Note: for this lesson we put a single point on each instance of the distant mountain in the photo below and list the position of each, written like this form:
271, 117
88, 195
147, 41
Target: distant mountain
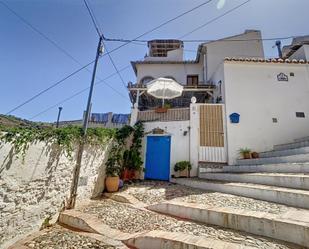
8, 121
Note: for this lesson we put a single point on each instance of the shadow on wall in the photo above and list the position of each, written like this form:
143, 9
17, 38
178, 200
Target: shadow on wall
37, 186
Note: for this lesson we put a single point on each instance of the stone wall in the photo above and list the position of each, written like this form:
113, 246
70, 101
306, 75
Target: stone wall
38, 186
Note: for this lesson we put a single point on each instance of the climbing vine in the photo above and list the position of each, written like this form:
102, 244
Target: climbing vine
120, 158
22, 137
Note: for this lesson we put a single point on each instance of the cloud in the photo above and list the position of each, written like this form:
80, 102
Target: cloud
221, 4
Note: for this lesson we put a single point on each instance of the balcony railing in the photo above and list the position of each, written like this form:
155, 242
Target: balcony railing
175, 114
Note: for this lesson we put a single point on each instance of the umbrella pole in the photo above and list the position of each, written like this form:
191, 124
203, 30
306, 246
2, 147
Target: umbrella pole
162, 102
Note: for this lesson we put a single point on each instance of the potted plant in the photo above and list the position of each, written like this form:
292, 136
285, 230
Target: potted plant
113, 168
245, 153
182, 169
163, 108
255, 154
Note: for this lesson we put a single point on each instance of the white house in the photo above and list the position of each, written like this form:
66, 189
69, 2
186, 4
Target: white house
230, 79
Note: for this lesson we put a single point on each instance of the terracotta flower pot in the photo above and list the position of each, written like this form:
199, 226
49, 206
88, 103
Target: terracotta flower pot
183, 173
112, 183
255, 155
137, 175
126, 175
247, 155
161, 110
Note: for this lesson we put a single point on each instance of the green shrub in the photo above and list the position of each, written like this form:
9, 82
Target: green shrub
182, 165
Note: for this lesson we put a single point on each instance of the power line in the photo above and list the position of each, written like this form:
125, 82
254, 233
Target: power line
76, 94
126, 41
99, 30
115, 49
161, 25
58, 47
216, 18
115, 67
94, 21
142, 42
48, 88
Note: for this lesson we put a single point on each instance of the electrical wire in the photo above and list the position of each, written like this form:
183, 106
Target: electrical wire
48, 88
142, 42
75, 94
59, 48
94, 21
161, 25
99, 30
216, 18
113, 50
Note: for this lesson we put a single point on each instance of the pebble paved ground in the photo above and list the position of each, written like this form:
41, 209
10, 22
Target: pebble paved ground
129, 219
58, 237
151, 192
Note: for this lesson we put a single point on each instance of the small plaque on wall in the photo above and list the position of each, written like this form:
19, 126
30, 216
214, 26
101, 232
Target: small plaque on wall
282, 77
157, 131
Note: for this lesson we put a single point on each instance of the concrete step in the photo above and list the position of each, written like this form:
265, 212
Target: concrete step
271, 168
280, 153
163, 239
296, 181
291, 226
286, 196
144, 240
293, 145
300, 158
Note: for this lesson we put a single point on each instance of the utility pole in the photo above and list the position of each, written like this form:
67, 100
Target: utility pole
58, 118
73, 191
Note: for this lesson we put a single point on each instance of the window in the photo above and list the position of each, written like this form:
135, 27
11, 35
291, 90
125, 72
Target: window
192, 80
300, 114
146, 80
292, 74
275, 120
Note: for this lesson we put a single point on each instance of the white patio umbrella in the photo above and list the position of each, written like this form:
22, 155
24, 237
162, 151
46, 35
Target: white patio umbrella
164, 88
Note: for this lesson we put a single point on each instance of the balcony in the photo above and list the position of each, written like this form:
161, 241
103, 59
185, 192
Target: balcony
174, 114
202, 92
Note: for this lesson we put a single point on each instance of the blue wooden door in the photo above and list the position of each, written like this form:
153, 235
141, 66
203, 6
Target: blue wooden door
158, 158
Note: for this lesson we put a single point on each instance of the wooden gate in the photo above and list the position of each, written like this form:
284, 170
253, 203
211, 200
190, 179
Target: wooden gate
212, 144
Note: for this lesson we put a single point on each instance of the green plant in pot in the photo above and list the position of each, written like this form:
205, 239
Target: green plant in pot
113, 168
182, 169
132, 161
245, 153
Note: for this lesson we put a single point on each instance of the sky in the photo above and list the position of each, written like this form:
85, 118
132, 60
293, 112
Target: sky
30, 64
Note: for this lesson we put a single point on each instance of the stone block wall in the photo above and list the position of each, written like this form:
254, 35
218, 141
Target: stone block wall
38, 186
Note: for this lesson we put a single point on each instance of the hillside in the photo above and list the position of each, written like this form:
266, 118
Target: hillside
10, 121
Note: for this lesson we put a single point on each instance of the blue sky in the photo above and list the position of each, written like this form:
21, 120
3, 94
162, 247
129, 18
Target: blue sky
29, 63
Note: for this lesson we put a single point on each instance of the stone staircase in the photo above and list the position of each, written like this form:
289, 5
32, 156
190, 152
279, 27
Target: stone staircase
280, 175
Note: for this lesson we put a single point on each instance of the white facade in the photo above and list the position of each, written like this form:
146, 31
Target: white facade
253, 90
177, 71
180, 137
246, 45
249, 87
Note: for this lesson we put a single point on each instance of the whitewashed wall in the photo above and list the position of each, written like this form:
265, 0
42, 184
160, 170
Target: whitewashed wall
178, 71
179, 142
253, 91
32, 190
246, 45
